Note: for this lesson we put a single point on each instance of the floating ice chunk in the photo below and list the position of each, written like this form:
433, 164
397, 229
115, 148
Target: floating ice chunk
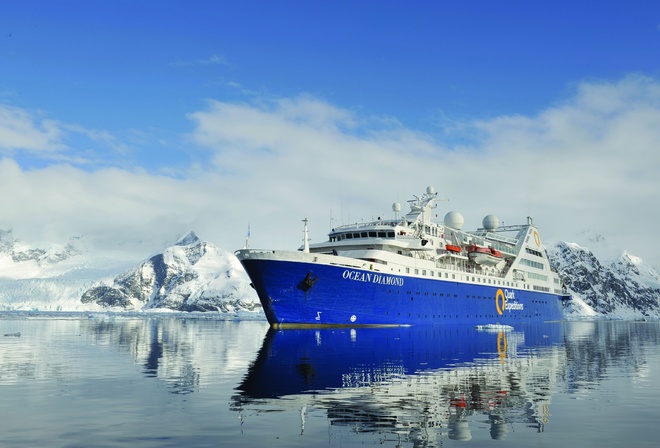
494, 327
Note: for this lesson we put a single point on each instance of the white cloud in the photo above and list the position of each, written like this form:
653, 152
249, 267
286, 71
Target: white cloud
28, 135
587, 163
110, 207
20, 130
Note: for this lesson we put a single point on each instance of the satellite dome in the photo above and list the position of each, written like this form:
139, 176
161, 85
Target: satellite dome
454, 220
396, 207
430, 190
491, 222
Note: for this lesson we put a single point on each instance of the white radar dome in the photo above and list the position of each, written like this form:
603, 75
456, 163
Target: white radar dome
454, 220
430, 190
491, 222
396, 207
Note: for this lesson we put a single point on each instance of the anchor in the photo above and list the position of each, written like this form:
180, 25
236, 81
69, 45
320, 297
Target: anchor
307, 282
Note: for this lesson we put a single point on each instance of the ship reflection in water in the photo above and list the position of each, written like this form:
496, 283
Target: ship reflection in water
418, 383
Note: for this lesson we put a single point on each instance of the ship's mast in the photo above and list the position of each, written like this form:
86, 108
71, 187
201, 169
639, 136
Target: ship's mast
420, 209
247, 238
305, 237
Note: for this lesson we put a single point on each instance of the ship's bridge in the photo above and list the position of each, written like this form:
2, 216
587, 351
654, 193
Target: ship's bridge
375, 229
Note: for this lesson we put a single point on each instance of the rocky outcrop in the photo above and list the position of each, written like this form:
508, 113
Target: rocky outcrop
624, 286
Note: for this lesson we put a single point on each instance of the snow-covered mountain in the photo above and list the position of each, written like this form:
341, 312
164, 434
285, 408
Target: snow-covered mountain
624, 287
191, 275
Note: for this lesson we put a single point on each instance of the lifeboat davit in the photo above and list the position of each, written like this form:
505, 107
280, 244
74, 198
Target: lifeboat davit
484, 255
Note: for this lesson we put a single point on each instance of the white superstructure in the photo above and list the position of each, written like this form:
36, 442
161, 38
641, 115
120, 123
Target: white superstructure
511, 256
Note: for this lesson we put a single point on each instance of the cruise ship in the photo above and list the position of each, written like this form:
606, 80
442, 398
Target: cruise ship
409, 270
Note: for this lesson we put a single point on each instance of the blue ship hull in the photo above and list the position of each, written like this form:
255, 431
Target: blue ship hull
295, 293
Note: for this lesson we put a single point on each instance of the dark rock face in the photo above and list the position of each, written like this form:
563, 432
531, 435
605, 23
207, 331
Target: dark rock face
623, 284
107, 297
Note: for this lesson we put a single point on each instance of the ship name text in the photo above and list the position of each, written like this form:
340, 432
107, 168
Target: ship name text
372, 277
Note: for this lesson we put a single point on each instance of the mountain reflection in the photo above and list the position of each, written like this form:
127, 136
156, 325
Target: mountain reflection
183, 353
162, 346
418, 382
594, 348
155, 353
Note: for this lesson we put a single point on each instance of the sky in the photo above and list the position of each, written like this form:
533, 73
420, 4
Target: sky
131, 123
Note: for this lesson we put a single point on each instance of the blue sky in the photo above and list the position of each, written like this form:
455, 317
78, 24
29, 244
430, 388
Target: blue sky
131, 122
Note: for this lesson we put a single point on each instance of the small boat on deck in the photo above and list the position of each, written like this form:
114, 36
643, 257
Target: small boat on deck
484, 255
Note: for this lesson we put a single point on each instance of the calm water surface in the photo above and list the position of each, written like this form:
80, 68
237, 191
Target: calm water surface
107, 381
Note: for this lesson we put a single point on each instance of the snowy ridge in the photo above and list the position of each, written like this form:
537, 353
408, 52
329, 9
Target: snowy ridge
19, 261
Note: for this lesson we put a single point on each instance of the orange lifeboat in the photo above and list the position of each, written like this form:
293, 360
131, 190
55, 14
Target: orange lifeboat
452, 248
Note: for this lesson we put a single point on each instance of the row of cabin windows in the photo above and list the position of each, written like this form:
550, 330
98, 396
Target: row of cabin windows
534, 264
355, 235
537, 276
473, 278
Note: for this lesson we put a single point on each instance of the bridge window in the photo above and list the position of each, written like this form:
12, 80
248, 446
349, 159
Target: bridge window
534, 252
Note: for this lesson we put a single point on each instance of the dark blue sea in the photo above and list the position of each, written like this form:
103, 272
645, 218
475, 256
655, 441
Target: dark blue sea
79, 380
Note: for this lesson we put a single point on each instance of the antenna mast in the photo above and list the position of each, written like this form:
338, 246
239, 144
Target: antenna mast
247, 238
305, 237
